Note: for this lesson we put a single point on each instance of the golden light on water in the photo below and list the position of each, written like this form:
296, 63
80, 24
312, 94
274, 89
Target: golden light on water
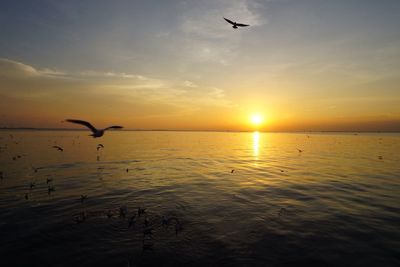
256, 144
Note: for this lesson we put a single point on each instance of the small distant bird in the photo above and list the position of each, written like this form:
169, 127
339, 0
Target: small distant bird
380, 157
148, 232
132, 221
178, 227
281, 211
299, 150
147, 246
50, 189
32, 185
232, 171
96, 132
141, 211
59, 148
109, 214
83, 198
81, 217
165, 222
127, 170
122, 211
146, 222
99, 146
235, 24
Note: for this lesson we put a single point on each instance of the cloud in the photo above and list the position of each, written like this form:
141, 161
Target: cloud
14, 69
97, 88
189, 84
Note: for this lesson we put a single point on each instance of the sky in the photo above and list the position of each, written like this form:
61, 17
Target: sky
301, 65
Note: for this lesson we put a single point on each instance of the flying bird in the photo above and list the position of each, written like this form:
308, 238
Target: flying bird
235, 24
99, 146
59, 148
96, 132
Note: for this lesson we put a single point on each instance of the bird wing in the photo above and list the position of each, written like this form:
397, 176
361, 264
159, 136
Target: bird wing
242, 25
114, 127
229, 21
85, 123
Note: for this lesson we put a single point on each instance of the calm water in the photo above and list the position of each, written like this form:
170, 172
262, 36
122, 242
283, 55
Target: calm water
336, 203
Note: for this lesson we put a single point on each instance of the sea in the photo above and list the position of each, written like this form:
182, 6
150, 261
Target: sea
171, 198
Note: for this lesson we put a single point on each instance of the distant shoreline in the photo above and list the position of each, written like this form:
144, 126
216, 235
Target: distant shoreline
187, 130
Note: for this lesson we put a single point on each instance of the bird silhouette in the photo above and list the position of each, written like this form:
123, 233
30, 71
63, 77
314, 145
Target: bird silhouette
235, 24
99, 146
299, 150
83, 198
95, 132
59, 148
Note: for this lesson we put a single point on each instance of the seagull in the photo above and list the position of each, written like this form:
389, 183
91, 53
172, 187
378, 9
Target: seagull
96, 132
83, 198
99, 146
50, 189
59, 148
235, 24
32, 185
141, 211
132, 221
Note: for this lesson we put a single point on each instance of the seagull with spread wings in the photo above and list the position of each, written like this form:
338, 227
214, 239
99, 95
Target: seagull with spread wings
95, 132
235, 24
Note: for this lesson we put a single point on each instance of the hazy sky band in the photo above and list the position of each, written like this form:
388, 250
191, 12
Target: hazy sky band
313, 65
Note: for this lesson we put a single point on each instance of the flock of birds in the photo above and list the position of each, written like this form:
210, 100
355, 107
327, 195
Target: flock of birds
142, 219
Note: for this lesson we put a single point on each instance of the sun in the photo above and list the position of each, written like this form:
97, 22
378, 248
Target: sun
256, 119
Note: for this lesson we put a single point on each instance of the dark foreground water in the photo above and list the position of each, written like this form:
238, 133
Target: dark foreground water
211, 199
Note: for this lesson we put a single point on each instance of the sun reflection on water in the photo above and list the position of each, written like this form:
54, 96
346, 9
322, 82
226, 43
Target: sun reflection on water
256, 144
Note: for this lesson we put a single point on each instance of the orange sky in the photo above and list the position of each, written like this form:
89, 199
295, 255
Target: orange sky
300, 65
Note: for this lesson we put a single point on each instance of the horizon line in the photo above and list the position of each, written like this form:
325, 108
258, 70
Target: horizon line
198, 130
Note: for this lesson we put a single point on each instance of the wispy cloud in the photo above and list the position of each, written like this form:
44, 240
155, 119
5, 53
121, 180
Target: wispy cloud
88, 88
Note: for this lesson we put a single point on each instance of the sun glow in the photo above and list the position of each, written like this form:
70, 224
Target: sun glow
256, 119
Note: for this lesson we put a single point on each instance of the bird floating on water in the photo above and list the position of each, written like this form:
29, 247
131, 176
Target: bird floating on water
50, 189
141, 211
32, 185
83, 198
95, 132
299, 150
132, 221
235, 24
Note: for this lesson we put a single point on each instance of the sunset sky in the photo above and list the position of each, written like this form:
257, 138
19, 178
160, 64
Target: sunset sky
175, 64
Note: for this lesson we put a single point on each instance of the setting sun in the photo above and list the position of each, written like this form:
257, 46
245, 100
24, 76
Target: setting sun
256, 119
